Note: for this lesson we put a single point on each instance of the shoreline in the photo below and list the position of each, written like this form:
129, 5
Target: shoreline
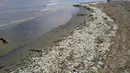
42, 40
99, 43
95, 40
77, 50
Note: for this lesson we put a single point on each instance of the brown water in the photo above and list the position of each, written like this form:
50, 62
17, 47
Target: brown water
25, 26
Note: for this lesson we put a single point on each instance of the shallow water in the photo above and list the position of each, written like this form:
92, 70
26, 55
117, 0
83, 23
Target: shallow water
23, 20
20, 23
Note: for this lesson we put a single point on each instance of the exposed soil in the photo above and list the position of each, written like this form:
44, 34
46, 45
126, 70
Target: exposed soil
118, 60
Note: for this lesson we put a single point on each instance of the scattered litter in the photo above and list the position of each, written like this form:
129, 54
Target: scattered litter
78, 49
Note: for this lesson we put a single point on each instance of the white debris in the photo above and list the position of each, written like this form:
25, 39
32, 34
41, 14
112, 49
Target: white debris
79, 49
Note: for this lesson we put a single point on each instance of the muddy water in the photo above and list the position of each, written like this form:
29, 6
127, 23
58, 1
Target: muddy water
23, 23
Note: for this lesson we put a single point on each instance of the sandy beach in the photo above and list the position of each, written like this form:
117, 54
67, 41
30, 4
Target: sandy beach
95, 40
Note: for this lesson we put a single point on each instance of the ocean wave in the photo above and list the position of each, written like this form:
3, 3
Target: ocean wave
53, 1
17, 21
47, 9
51, 4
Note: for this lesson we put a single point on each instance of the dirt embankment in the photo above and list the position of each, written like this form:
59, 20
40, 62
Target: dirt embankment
118, 60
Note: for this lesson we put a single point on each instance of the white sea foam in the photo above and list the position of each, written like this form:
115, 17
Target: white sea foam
53, 1
47, 9
17, 21
51, 4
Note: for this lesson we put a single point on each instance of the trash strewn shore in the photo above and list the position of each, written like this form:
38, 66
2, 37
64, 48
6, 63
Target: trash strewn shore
83, 51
